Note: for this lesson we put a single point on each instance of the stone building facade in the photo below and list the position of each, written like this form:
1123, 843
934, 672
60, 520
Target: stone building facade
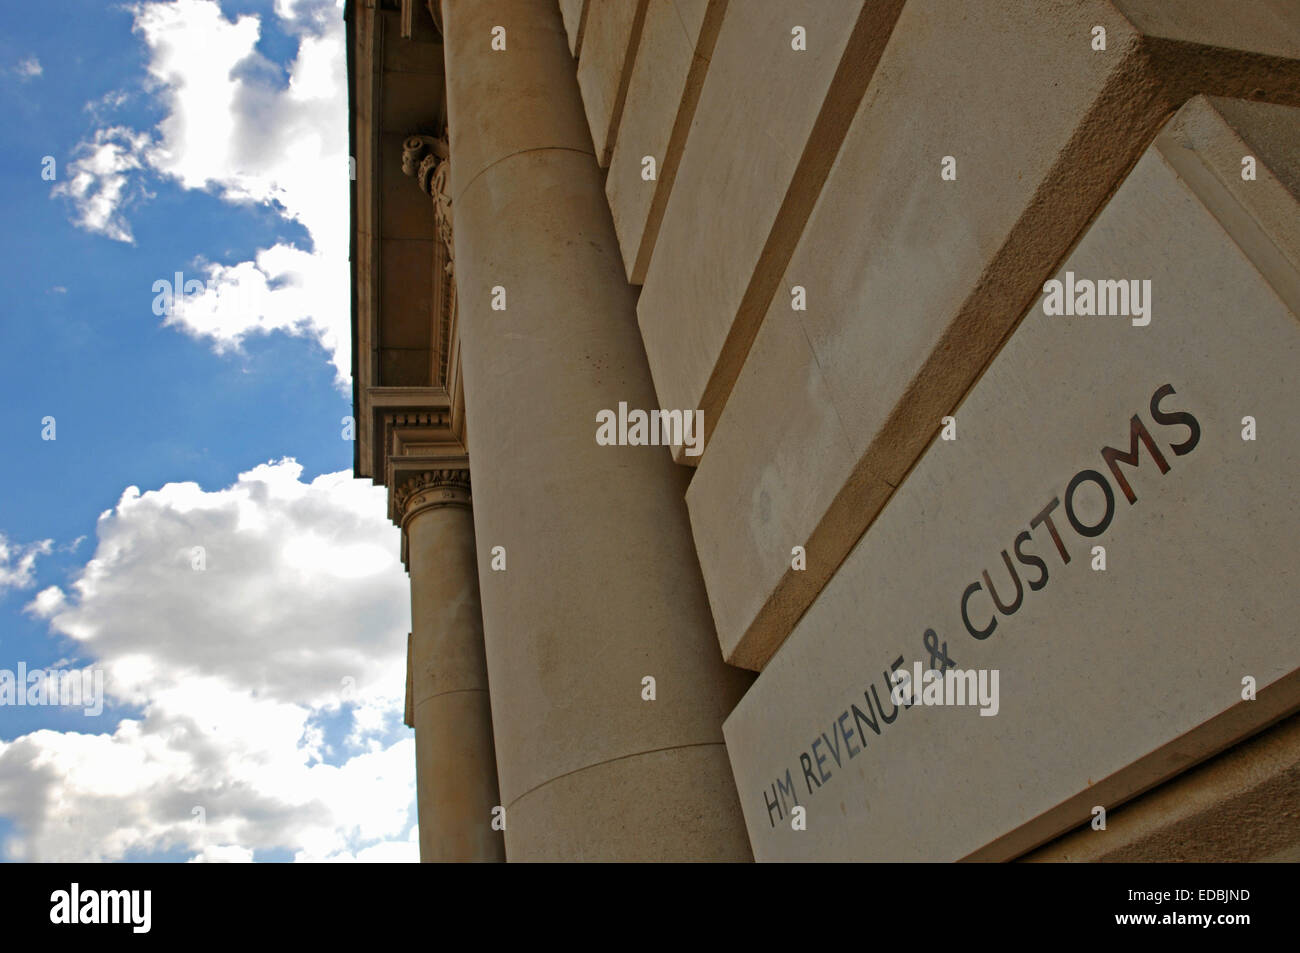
725, 359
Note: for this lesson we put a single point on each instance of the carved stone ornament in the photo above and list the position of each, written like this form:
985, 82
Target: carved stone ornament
431, 489
428, 160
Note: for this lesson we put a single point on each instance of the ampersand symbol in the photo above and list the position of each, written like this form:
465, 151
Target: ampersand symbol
938, 653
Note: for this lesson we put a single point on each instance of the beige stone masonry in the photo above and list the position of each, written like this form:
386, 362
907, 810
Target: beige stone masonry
914, 282
399, 307
1115, 675
1241, 806
599, 588
664, 87
611, 33
767, 127
456, 775
574, 13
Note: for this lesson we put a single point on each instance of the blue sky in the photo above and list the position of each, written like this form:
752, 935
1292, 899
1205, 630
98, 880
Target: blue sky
265, 685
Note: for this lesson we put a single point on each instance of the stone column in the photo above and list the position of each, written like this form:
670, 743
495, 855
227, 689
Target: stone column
456, 776
601, 587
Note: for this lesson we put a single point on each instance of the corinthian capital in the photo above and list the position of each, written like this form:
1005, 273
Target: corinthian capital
430, 489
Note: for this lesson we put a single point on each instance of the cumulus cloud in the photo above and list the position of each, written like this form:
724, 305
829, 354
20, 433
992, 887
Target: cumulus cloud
254, 637
249, 131
280, 290
18, 562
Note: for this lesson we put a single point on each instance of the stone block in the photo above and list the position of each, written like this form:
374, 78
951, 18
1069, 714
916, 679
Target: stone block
660, 806
572, 12
404, 210
609, 43
410, 102
406, 292
913, 280
1109, 680
744, 187
663, 89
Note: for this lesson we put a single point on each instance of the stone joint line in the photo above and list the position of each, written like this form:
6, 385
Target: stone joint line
622, 757
495, 162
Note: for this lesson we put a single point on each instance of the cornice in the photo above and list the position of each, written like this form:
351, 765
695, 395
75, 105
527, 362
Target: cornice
381, 44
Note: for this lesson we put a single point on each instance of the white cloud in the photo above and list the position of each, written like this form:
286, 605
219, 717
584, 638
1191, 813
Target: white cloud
99, 184
18, 562
47, 602
219, 854
73, 546
240, 673
29, 67
237, 126
107, 104
280, 290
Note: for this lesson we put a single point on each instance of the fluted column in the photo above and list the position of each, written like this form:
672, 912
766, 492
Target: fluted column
597, 587
456, 775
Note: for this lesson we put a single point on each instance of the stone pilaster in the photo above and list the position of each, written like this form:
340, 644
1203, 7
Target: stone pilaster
456, 774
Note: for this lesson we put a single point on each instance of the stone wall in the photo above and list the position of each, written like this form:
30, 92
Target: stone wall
843, 217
